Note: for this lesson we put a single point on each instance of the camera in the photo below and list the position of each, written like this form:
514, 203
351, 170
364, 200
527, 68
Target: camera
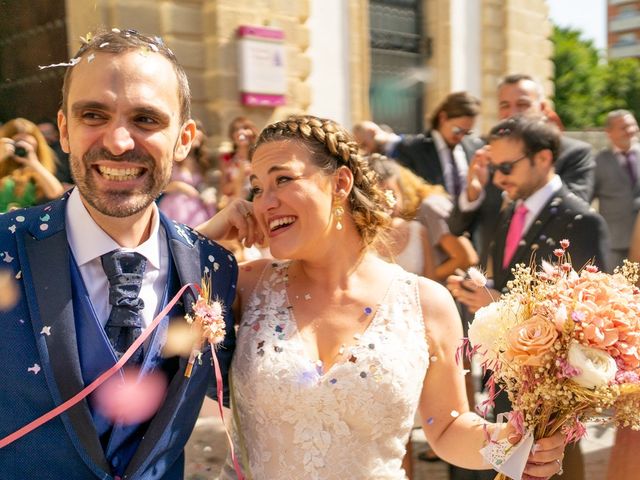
20, 151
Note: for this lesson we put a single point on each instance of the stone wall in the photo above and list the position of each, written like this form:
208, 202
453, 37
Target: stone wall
202, 33
514, 39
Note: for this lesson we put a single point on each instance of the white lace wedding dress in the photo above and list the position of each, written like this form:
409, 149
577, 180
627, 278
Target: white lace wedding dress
297, 421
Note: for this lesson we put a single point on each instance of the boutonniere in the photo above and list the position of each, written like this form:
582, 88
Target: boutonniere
207, 323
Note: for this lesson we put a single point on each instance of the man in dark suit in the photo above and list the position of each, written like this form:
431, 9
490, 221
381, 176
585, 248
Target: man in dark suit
441, 155
478, 208
617, 187
522, 152
95, 267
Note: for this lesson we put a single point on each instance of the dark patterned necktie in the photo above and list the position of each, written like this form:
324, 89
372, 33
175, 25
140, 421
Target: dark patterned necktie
124, 271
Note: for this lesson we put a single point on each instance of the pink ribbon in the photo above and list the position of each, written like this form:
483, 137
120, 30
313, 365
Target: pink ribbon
51, 414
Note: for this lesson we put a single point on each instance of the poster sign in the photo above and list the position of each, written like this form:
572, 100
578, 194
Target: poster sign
262, 76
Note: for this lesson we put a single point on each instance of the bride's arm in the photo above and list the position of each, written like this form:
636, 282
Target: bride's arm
455, 433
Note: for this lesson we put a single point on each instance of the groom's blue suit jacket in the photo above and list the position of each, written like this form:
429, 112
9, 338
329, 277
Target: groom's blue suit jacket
50, 349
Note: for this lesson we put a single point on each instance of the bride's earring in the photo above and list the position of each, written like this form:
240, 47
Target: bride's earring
338, 211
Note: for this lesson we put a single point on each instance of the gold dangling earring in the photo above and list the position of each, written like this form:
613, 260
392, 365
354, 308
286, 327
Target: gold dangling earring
338, 211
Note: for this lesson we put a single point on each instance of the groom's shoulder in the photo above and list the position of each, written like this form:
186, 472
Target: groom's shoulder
210, 251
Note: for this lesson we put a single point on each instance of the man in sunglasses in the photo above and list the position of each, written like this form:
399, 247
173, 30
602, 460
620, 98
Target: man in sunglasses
441, 155
478, 208
522, 153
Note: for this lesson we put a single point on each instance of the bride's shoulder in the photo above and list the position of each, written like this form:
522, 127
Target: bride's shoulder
249, 273
438, 307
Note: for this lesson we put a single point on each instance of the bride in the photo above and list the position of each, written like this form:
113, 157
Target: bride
337, 348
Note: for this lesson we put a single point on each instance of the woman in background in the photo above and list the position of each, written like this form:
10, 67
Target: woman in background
407, 240
27, 166
429, 205
235, 164
190, 198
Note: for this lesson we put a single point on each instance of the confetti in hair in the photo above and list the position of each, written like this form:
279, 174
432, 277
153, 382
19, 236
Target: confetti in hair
70, 63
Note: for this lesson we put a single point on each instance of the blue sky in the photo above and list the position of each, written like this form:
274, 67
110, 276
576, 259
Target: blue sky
589, 16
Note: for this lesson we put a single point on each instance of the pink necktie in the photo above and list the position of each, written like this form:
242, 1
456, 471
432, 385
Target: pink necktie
514, 234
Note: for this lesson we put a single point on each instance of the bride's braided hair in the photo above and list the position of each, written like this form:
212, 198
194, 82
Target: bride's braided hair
332, 146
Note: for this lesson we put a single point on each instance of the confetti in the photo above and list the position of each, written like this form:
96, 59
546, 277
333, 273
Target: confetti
7, 258
180, 340
455, 413
91, 58
430, 421
12, 229
433, 358
368, 310
9, 291
46, 331
70, 63
307, 296
20, 219
131, 399
211, 258
35, 369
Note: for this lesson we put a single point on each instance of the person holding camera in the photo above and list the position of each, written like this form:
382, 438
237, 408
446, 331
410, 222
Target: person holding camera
27, 166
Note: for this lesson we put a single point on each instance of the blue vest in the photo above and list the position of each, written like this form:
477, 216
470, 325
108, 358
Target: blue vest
119, 441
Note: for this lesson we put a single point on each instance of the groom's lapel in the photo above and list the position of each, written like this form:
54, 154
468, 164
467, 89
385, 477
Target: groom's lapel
50, 300
185, 253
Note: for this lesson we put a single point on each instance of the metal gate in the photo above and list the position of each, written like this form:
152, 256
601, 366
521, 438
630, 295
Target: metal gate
398, 70
30, 36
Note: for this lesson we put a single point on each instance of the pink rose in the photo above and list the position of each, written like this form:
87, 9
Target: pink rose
529, 342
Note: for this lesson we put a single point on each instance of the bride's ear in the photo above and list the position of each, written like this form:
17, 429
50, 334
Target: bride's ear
343, 181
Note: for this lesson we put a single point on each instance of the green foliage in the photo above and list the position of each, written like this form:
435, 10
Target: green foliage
587, 88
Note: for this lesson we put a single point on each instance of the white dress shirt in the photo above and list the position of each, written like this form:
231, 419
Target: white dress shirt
536, 201
88, 242
444, 154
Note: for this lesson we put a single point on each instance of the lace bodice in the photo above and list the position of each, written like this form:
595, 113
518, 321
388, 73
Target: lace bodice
353, 421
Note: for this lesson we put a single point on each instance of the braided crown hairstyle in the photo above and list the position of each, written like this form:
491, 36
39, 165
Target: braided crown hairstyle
331, 146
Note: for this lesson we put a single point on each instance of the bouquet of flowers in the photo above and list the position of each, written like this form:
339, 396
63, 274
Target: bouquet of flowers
565, 347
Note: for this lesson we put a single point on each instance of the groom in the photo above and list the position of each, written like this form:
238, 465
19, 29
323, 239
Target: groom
95, 267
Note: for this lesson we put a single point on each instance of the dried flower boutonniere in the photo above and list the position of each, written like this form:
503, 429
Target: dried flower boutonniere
207, 323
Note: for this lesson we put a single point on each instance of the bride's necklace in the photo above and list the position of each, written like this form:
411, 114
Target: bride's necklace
344, 351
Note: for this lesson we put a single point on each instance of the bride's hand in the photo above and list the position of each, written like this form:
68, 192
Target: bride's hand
235, 221
546, 455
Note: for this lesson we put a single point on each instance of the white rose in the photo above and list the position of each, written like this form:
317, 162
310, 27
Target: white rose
598, 368
489, 324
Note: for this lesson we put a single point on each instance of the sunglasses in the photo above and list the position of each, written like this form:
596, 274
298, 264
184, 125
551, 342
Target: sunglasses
460, 131
505, 168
